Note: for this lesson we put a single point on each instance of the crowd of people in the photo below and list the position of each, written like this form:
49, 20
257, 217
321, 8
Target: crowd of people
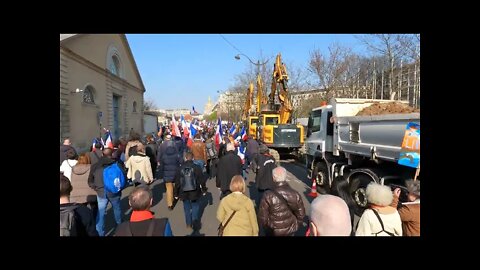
185, 165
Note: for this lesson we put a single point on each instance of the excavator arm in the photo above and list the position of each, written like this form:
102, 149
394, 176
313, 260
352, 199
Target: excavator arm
280, 77
248, 102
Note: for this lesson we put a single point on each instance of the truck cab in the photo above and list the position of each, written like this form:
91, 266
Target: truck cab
320, 131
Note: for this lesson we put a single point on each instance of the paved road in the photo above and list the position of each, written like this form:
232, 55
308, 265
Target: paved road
296, 177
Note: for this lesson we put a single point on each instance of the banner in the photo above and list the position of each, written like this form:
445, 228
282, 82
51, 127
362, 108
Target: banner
410, 152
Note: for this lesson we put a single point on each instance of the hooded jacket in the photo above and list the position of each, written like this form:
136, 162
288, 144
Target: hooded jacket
139, 168
81, 192
244, 222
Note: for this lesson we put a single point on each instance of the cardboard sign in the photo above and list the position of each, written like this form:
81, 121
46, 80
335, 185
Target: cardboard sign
410, 152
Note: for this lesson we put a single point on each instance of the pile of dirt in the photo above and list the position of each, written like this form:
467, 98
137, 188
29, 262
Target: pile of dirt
387, 108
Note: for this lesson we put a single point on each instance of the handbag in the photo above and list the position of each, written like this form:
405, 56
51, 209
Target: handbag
221, 227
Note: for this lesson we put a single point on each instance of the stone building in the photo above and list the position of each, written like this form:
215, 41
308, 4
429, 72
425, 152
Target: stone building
100, 87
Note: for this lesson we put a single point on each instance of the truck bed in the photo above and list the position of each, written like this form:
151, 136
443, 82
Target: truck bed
377, 136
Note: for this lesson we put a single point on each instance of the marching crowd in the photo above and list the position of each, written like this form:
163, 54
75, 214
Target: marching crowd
185, 165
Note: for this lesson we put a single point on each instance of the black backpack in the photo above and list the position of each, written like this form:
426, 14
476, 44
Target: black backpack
188, 182
68, 225
211, 151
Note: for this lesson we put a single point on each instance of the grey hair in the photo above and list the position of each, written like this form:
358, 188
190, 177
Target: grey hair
379, 194
413, 187
279, 174
230, 147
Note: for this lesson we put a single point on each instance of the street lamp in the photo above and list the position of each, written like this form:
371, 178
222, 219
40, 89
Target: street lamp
258, 64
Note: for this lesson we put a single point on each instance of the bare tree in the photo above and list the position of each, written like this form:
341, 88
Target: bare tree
149, 104
330, 70
393, 47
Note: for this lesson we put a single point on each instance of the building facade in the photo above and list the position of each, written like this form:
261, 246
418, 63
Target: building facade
100, 87
299, 98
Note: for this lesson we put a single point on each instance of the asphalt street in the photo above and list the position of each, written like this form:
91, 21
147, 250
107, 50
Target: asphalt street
296, 178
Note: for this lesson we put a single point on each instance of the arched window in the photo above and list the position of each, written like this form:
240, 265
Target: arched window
134, 106
88, 95
115, 65
114, 61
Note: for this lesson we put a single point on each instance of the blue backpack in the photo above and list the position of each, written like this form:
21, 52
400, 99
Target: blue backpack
113, 178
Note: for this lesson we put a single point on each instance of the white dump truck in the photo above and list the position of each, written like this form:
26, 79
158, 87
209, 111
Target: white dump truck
359, 149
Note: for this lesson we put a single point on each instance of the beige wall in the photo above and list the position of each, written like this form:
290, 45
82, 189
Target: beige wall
80, 119
94, 48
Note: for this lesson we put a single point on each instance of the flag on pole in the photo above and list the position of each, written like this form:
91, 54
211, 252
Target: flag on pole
174, 125
109, 141
193, 109
244, 134
218, 133
241, 152
95, 141
233, 129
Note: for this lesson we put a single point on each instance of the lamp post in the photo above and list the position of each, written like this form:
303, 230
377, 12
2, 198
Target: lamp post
258, 64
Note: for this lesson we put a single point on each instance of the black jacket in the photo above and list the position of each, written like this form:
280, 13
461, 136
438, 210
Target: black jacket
276, 216
63, 152
95, 179
263, 165
140, 228
228, 166
190, 195
84, 220
252, 147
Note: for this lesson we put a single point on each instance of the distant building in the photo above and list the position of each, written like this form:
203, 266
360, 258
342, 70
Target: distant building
100, 87
230, 105
208, 107
176, 112
300, 97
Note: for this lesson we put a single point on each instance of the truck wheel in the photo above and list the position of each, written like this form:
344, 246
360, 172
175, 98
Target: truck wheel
320, 173
358, 186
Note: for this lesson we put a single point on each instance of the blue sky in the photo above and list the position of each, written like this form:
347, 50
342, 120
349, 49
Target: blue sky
180, 70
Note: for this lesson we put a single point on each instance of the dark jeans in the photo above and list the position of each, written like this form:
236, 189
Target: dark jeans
102, 210
212, 167
191, 209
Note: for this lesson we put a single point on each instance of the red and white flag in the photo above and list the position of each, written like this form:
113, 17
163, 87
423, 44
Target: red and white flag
174, 126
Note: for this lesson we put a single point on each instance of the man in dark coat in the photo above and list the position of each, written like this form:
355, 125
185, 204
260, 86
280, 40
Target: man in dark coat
191, 205
252, 150
95, 181
169, 160
281, 210
229, 165
262, 165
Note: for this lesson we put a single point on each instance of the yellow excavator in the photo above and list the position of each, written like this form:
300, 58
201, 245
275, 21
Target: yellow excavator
251, 115
274, 127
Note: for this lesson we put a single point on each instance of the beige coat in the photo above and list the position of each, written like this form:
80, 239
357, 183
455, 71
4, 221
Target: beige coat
81, 192
244, 223
139, 169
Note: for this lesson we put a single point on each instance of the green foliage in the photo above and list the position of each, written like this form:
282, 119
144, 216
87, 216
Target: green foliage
212, 117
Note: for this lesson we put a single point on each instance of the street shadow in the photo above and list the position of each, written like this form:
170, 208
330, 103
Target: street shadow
203, 202
157, 191
109, 221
